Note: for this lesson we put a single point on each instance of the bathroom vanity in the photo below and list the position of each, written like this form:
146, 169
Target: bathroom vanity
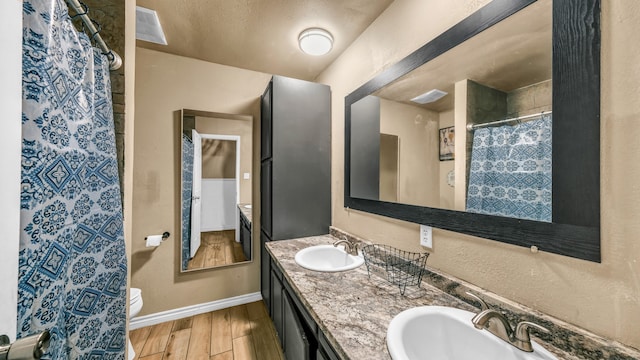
298, 332
345, 315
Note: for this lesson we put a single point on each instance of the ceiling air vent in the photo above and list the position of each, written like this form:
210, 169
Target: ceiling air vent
148, 26
429, 97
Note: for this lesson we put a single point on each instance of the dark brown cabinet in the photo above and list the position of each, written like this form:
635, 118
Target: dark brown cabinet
297, 332
277, 299
297, 344
245, 236
295, 156
265, 272
295, 182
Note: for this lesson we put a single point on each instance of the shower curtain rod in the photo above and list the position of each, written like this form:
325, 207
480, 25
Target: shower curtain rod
472, 127
115, 61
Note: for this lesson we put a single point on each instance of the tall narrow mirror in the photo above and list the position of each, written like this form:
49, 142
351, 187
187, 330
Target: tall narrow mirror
216, 189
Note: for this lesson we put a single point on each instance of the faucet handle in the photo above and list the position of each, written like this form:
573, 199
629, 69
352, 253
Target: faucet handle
522, 330
483, 305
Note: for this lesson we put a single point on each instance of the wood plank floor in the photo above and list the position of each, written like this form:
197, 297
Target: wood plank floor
217, 248
243, 332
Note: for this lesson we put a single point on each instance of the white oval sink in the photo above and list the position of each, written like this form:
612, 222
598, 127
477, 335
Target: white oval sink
438, 332
327, 258
247, 206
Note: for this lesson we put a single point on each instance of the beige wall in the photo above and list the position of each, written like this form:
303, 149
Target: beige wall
460, 116
389, 153
530, 99
603, 298
417, 130
242, 128
164, 84
218, 159
447, 195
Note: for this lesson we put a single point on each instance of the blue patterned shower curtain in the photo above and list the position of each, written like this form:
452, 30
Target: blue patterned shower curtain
72, 263
187, 183
510, 171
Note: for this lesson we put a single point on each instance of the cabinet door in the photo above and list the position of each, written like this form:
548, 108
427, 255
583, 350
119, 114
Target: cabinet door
301, 159
302, 312
266, 197
245, 239
265, 272
296, 346
276, 306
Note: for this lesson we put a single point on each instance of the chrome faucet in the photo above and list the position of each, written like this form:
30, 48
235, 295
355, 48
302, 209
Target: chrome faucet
497, 324
350, 247
522, 340
494, 322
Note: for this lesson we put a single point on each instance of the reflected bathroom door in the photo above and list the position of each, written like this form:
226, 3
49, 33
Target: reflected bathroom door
196, 193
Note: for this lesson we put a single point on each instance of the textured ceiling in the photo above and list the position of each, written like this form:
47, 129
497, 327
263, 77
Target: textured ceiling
511, 54
260, 35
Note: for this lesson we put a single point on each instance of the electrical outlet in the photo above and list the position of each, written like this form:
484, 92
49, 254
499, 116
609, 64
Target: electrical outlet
426, 238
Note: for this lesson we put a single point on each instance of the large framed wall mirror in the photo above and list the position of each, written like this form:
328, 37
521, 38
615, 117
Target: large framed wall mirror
216, 186
491, 129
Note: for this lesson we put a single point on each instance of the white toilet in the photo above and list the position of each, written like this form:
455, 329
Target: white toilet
135, 305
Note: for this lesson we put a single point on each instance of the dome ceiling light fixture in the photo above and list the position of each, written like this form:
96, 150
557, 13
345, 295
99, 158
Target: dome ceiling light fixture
315, 41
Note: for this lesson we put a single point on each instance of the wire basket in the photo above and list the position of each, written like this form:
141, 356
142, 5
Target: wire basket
399, 267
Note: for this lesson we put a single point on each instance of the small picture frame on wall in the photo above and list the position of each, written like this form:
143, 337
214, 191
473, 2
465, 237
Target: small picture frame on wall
447, 143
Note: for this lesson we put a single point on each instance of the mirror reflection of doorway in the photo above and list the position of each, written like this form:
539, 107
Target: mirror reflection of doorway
389, 153
216, 178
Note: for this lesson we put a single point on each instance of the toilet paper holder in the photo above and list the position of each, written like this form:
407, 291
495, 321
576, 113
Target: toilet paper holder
165, 235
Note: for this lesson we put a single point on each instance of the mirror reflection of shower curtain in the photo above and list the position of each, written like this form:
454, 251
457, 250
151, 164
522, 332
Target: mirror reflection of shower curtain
187, 180
72, 260
196, 193
510, 171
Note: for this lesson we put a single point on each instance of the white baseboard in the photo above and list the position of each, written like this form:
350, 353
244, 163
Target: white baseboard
175, 314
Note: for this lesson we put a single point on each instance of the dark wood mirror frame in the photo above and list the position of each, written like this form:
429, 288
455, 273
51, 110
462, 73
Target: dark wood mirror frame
575, 230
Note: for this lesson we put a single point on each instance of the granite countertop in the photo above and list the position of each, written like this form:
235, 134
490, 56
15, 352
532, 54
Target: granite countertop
351, 309
247, 212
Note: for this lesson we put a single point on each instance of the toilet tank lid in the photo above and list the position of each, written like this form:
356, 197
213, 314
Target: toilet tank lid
134, 293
